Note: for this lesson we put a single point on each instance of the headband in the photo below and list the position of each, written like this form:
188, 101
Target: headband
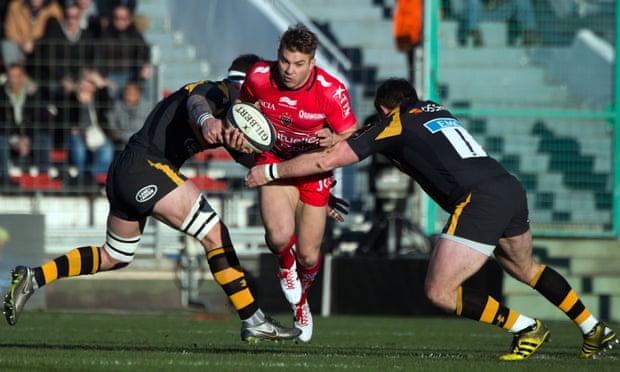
236, 76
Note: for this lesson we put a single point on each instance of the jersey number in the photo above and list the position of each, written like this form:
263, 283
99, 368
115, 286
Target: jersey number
324, 184
464, 144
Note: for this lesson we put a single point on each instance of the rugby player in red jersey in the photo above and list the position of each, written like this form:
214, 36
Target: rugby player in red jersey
310, 109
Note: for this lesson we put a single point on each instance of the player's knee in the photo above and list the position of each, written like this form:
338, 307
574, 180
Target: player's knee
438, 297
218, 236
307, 259
200, 220
120, 251
280, 238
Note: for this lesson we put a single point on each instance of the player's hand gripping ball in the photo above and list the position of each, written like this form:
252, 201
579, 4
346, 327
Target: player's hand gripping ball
254, 125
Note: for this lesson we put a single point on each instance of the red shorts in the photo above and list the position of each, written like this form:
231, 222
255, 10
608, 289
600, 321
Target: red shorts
313, 190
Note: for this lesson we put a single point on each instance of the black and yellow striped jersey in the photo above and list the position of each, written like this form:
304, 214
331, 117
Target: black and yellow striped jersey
429, 144
167, 131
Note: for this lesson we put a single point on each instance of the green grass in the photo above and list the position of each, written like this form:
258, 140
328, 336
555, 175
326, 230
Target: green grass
175, 341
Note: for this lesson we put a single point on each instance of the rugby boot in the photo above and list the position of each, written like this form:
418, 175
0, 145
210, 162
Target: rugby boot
303, 319
599, 340
19, 292
526, 342
290, 284
270, 330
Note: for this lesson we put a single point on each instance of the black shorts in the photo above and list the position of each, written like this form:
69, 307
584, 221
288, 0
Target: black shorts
137, 180
494, 209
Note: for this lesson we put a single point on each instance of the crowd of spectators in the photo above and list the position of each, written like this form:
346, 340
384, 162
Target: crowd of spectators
26, 122
75, 79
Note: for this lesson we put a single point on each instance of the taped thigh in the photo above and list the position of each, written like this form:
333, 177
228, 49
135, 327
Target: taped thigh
200, 219
121, 249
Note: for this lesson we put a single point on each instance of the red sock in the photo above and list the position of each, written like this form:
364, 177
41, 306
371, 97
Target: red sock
308, 274
286, 257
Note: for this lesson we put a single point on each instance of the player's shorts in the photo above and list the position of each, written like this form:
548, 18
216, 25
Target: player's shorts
313, 190
137, 180
494, 209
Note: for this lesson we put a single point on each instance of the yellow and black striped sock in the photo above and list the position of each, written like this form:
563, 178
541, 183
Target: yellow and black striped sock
78, 261
484, 308
556, 289
228, 273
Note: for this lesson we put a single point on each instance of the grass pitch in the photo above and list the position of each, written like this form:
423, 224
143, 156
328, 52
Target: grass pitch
182, 341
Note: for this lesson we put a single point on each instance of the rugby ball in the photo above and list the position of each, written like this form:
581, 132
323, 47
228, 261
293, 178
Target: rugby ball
254, 125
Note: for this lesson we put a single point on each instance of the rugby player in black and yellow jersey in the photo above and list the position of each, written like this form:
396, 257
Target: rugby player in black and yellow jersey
488, 214
145, 180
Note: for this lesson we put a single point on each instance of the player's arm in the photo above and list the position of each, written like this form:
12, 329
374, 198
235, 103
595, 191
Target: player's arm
246, 159
328, 138
338, 114
339, 137
200, 112
339, 155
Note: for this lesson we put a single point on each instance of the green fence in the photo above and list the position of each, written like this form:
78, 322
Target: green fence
542, 103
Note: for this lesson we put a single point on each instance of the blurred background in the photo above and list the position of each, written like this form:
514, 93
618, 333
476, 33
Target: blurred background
535, 82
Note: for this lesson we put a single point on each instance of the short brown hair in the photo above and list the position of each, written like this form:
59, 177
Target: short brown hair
299, 39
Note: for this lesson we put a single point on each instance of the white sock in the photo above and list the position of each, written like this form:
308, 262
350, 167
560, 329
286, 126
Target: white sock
257, 318
522, 323
588, 325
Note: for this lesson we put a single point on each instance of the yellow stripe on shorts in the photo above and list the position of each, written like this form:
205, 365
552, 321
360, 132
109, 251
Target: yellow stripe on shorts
456, 214
174, 176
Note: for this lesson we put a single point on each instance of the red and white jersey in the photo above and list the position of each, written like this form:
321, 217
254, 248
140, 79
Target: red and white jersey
298, 114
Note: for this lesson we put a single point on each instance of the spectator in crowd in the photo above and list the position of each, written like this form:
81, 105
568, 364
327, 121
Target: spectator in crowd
25, 124
125, 55
89, 15
128, 114
64, 50
105, 6
90, 147
471, 12
24, 24
408, 17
